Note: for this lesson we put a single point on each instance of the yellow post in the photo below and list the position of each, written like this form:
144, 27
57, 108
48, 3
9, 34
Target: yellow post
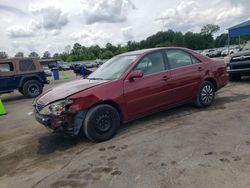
2, 109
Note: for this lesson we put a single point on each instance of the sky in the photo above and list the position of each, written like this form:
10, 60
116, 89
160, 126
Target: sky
33, 25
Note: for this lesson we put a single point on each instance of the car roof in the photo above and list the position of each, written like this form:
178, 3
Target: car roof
15, 58
144, 51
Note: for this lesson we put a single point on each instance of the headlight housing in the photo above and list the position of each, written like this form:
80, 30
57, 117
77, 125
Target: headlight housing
56, 108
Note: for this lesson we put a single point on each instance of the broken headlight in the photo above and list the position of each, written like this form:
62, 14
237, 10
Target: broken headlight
56, 108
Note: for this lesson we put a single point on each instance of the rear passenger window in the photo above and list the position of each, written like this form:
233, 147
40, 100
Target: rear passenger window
178, 58
195, 60
26, 65
6, 67
151, 64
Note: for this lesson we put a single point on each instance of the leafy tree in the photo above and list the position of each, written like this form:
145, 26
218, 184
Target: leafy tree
3, 55
19, 54
195, 41
132, 45
107, 54
221, 40
46, 55
209, 29
179, 40
34, 55
110, 47
56, 56
77, 49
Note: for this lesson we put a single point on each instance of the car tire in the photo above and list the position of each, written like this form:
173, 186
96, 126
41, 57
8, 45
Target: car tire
32, 88
206, 95
234, 78
101, 123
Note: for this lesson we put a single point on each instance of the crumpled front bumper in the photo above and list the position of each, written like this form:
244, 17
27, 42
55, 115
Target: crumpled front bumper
70, 124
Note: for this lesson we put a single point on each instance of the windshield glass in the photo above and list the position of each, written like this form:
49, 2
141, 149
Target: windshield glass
247, 46
113, 68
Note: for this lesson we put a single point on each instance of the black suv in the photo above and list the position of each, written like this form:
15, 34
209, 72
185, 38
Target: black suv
239, 63
23, 74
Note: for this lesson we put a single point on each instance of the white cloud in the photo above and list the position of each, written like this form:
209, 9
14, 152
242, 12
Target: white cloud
91, 37
127, 33
21, 31
53, 17
110, 11
190, 15
57, 23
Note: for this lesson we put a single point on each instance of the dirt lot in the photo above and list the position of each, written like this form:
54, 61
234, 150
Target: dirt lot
183, 147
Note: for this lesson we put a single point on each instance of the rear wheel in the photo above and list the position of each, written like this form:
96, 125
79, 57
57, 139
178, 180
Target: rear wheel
32, 89
206, 95
101, 123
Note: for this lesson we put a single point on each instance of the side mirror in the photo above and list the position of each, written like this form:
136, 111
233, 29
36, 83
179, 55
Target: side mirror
135, 74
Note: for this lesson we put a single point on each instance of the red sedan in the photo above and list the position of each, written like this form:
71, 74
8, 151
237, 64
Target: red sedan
130, 86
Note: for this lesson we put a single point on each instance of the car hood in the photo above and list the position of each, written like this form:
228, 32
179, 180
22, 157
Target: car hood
65, 90
241, 53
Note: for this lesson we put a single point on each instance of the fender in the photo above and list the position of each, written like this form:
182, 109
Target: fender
27, 77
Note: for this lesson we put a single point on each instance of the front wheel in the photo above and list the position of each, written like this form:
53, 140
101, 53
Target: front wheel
101, 123
206, 95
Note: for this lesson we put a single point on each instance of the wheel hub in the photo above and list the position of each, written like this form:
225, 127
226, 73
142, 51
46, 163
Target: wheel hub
207, 94
103, 123
33, 89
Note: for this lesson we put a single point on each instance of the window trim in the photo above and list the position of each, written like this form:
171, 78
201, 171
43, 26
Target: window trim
9, 63
190, 55
166, 66
28, 71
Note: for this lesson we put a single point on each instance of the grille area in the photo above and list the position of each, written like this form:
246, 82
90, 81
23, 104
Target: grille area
240, 58
240, 65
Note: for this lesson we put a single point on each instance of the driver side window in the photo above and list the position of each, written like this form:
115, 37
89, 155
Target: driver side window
151, 64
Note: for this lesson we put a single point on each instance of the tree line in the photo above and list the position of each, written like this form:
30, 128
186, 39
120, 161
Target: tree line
197, 41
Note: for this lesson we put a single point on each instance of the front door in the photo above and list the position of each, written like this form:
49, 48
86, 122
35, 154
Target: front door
149, 92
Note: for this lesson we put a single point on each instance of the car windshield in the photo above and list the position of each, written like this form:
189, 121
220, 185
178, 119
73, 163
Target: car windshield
113, 68
247, 46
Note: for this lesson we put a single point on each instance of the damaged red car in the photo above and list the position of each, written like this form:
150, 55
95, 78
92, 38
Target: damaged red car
130, 86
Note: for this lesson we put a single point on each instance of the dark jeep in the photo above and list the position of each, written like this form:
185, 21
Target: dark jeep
23, 74
239, 63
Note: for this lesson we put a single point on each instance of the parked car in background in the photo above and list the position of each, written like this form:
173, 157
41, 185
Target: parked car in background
215, 53
23, 74
63, 67
230, 51
47, 71
130, 86
211, 53
239, 63
98, 62
90, 64
78, 70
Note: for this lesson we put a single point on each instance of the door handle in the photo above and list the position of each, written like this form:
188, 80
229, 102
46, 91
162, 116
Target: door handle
165, 77
200, 69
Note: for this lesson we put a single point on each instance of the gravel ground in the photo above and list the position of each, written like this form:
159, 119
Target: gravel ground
183, 147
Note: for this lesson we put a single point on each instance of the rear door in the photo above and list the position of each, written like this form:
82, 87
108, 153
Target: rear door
7, 76
149, 92
186, 74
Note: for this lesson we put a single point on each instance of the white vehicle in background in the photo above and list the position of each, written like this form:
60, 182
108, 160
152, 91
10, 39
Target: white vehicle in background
47, 71
231, 50
211, 52
207, 52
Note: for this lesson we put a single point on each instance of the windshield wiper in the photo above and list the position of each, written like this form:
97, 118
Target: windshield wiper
95, 78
